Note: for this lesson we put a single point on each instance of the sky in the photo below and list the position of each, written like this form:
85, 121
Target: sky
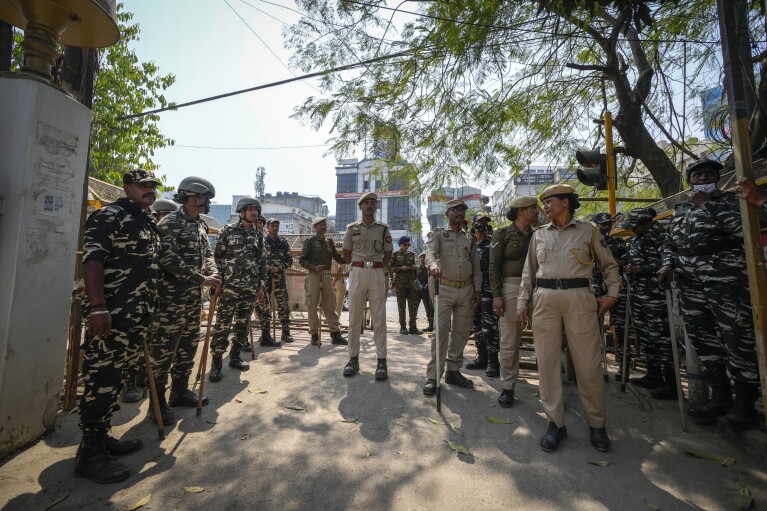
211, 51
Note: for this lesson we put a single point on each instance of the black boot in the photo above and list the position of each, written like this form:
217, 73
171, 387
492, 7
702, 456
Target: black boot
268, 340
403, 329
216, 364
94, 462
315, 340
352, 367
381, 373
506, 399
652, 379
414, 331
743, 415
235, 361
721, 397
337, 338
286, 337
131, 392
168, 417
481, 361
180, 395
493, 369
667, 391
117, 447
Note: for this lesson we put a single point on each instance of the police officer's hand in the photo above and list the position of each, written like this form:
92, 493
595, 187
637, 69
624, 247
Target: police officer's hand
99, 325
605, 304
260, 295
748, 190
498, 306
436, 273
631, 268
213, 281
476, 299
274, 269
522, 318
700, 198
665, 273
318, 268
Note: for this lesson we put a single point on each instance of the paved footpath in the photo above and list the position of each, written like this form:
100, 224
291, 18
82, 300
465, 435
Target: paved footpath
317, 441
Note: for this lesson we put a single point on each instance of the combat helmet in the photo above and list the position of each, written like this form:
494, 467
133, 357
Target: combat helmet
163, 205
194, 185
247, 201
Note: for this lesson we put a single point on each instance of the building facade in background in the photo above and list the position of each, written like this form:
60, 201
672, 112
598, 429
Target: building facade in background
435, 207
530, 182
397, 206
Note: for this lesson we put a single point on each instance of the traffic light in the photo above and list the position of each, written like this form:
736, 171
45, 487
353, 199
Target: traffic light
593, 169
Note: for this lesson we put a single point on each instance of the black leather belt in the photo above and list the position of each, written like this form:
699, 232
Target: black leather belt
711, 248
562, 283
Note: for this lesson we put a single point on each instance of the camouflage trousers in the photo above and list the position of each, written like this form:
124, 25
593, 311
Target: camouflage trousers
409, 295
423, 296
487, 336
618, 320
105, 359
264, 309
650, 317
717, 316
234, 309
176, 336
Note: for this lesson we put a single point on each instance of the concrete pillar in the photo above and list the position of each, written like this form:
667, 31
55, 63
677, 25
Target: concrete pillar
44, 146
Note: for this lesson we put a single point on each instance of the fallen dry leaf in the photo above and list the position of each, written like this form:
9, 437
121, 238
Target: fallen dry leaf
296, 408
726, 462
651, 505
743, 499
456, 429
437, 422
55, 502
193, 489
256, 390
496, 420
238, 400
210, 421
141, 503
245, 436
355, 420
599, 463
460, 449
706, 456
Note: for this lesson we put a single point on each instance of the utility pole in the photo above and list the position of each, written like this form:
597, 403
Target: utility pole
735, 71
260, 182
610, 153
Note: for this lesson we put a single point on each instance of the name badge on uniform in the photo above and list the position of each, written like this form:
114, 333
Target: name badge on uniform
317, 243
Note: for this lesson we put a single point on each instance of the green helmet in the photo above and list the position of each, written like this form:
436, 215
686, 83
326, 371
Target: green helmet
247, 201
193, 185
162, 205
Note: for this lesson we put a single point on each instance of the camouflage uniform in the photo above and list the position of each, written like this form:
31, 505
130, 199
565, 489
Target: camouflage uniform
705, 248
277, 254
422, 278
485, 321
619, 251
186, 259
239, 254
126, 240
650, 315
406, 286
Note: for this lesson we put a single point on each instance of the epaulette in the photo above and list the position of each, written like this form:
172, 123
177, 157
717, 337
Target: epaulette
113, 208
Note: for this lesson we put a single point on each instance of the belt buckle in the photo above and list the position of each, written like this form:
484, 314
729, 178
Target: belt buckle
561, 283
368, 264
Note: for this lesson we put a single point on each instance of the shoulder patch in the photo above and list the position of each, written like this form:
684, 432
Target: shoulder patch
388, 239
112, 208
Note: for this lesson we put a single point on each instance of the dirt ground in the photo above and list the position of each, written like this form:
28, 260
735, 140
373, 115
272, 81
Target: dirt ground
291, 433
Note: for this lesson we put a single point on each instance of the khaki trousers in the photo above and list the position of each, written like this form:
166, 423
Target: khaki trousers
456, 311
367, 284
577, 310
511, 334
340, 291
312, 296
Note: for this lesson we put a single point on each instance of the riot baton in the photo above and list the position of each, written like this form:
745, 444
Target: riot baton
436, 340
204, 358
153, 393
250, 330
626, 328
273, 298
319, 319
604, 348
675, 354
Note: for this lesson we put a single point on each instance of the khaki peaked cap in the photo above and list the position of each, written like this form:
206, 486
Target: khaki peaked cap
523, 201
557, 190
367, 196
318, 220
454, 203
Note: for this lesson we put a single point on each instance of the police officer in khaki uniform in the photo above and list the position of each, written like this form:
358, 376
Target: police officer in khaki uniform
450, 257
367, 249
557, 278
317, 255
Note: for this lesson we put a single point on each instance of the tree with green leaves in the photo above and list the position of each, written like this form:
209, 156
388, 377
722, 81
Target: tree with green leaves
483, 87
123, 86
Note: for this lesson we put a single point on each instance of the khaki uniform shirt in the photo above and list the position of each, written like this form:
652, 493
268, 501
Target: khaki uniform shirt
368, 242
567, 253
453, 253
318, 252
508, 252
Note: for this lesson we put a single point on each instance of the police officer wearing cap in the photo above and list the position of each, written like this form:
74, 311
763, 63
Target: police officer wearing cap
557, 280
451, 258
121, 264
239, 254
367, 249
650, 315
704, 252
317, 255
188, 265
278, 260
507, 259
404, 281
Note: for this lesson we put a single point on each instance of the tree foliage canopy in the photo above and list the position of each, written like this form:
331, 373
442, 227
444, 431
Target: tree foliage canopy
483, 87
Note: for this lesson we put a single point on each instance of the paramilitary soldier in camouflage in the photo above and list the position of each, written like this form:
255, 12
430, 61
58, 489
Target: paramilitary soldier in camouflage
187, 265
402, 265
618, 249
120, 255
704, 251
239, 255
317, 256
650, 315
278, 260
486, 332
422, 276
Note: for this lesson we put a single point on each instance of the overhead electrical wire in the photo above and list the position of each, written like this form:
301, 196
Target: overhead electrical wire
248, 148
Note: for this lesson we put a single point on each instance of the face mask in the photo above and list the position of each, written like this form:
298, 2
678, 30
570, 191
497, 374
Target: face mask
707, 188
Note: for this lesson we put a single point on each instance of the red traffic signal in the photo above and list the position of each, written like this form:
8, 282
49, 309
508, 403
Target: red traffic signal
593, 169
